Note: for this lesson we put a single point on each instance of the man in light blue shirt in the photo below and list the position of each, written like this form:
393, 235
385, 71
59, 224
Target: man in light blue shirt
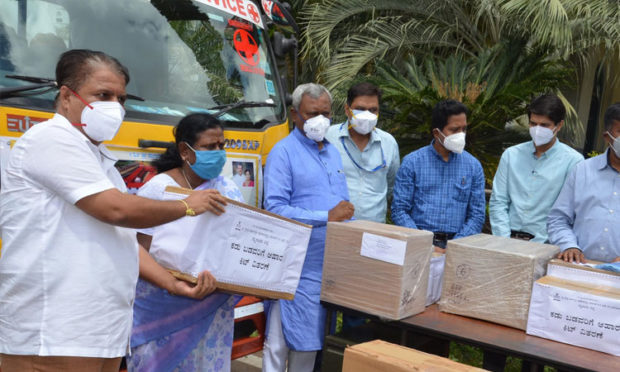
304, 180
369, 155
584, 221
530, 175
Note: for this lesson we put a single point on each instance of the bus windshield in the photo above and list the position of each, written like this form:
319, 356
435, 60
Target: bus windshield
183, 56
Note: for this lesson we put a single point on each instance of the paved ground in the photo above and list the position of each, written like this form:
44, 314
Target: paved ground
248, 363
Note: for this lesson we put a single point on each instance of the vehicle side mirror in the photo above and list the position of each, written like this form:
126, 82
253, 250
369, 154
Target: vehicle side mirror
280, 13
283, 45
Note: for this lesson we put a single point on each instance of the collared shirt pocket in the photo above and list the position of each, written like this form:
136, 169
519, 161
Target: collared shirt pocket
337, 178
462, 190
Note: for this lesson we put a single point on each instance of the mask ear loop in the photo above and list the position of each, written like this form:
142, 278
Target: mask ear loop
84, 102
80, 98
299, 116
443, 135
348, 120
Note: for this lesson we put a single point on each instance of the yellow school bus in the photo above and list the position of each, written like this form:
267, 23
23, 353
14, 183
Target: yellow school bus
184, 56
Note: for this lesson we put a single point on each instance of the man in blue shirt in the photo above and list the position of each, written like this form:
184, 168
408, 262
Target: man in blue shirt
304, 180
585, 217
369, 155
530, 175
440, 187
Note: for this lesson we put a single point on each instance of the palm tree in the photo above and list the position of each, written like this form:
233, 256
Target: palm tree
495, 86
345, 38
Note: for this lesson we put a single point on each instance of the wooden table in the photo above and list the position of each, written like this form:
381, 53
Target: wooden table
499, 339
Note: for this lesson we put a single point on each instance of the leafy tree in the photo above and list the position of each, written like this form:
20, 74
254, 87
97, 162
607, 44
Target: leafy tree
343, 39
495, 85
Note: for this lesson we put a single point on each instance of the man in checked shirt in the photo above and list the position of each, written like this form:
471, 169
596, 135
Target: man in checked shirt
440, 187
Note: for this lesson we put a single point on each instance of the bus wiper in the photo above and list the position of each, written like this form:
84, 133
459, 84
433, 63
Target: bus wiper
241, 104
38, 84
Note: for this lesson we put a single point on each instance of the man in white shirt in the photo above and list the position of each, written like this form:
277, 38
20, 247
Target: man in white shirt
69, 261
238, 177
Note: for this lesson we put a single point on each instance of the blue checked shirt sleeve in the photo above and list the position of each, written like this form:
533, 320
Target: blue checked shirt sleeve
499, 205
404, 190
562, 216
476, 206
394, 165
279, 189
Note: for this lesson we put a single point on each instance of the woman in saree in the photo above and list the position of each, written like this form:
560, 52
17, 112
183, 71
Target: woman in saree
177, 328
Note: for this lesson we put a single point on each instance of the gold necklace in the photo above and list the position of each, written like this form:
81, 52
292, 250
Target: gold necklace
184, 176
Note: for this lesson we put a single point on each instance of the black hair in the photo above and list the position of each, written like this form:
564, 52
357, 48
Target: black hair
612, 114
548, 105
187, 130
444, 109
74, 66
363, 89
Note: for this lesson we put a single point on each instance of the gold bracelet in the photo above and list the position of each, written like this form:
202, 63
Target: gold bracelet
188, 211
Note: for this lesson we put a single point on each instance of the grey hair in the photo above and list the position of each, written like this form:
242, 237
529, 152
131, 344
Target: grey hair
313, 90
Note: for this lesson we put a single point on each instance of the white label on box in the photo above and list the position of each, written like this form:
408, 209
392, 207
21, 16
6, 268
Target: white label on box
258, 247
242, 247
575, 318
384, 249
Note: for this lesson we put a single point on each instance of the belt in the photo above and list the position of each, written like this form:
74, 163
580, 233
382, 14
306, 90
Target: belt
443, 236
521, 235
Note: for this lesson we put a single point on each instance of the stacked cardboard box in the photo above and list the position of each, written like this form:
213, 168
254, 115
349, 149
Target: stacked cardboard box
490, 277
381, 356
585, 273
577, 305
376, 268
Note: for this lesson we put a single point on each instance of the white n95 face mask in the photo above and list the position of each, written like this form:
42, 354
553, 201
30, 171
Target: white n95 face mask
615, 145
454, 142
102, 120
316, 127
541, 135
363, 122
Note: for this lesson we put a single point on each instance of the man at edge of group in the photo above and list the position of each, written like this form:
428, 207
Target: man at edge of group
530, 175
369, 155
304, 180
69, 262
440, 187
584, 220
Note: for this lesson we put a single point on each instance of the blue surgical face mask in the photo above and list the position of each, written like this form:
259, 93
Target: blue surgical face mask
209, 163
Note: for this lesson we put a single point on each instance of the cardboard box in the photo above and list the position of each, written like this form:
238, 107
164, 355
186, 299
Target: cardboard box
576, 313
249, 251
585, 273
490, 277
376, 268
381, 356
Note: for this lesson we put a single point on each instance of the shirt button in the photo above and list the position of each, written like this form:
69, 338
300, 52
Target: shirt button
602, 248
611, 211
615, 193
606, 229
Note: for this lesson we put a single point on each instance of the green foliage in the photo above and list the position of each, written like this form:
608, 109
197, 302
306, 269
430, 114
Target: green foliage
473, 356
345, 40
204, 39
495, 85
466, 354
